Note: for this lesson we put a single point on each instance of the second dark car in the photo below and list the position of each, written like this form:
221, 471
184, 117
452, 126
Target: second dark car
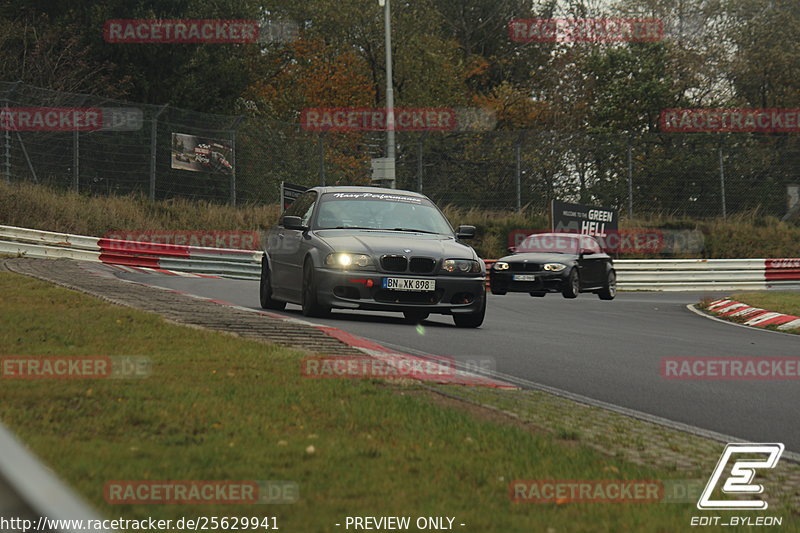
556, 262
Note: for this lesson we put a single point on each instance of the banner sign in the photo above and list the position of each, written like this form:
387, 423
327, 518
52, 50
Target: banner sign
201, 154
584, 219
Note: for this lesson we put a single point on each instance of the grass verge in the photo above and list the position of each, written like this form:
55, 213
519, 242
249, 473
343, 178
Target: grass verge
787, 303
217, 407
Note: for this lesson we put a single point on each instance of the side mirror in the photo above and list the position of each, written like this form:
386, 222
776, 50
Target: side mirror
512, 249
290, 222
465, 232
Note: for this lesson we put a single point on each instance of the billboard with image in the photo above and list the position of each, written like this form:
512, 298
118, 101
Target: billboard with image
201, 154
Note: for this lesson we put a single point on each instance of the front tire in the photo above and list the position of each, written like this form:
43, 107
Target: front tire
609, 290
311, 305
572, 287
265, 290
471, 320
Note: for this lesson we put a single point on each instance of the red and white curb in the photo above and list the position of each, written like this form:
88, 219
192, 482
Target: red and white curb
440, 374
145, 270
755, 316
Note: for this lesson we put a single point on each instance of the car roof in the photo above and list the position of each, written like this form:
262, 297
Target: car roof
559, 233
374, 190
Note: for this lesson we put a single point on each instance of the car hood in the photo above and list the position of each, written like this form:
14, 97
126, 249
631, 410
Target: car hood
377, 243
540, 257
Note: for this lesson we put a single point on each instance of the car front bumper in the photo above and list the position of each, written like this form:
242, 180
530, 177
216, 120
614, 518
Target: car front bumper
364, 290
503, 281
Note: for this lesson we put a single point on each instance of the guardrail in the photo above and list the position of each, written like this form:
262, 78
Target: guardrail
632, 274
230, 263
706, 274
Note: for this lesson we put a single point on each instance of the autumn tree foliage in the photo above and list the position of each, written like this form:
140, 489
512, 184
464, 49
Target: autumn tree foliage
310, 73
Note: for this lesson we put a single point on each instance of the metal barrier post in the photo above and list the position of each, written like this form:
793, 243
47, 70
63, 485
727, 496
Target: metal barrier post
722, 182
75, 162
630, 176
8, 146
321, 149
153, 145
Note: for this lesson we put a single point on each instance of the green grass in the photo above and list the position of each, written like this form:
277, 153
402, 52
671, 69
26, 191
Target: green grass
781, 302
218, 407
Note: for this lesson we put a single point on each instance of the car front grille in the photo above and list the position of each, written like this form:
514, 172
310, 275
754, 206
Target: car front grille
524, 267
394, 263
422, 265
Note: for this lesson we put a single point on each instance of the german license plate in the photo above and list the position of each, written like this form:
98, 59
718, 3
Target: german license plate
409, 284
524, 277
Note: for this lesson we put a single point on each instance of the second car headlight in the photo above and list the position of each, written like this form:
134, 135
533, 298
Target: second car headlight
554, 267
347, 260
501, 265
461, 266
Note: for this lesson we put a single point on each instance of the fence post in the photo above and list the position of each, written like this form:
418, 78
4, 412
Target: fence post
321, 149
419, 160
722, 182
233, 168
27, 158
153, 146
7, 130
235, 125
7, 135
630, 176
75, 162
518, 173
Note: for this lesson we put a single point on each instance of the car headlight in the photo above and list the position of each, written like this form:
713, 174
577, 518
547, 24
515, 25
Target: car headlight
347, 260
554, 267
461, 266
501, 265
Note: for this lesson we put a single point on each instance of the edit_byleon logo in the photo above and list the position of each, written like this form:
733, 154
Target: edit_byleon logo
740, 479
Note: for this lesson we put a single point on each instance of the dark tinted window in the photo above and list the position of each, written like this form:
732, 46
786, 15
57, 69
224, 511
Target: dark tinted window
590, 245
302, 207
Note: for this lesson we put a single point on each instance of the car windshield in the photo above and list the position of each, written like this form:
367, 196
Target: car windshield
391, 212
558, 243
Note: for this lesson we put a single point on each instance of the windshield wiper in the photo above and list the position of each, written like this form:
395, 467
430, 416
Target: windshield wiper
414, 230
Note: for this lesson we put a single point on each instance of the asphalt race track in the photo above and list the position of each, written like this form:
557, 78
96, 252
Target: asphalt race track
606, 351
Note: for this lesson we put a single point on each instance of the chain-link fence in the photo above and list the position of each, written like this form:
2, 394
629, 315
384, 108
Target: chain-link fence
693, 175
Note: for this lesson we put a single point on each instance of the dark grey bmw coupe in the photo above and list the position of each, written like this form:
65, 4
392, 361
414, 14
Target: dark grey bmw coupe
373, 249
